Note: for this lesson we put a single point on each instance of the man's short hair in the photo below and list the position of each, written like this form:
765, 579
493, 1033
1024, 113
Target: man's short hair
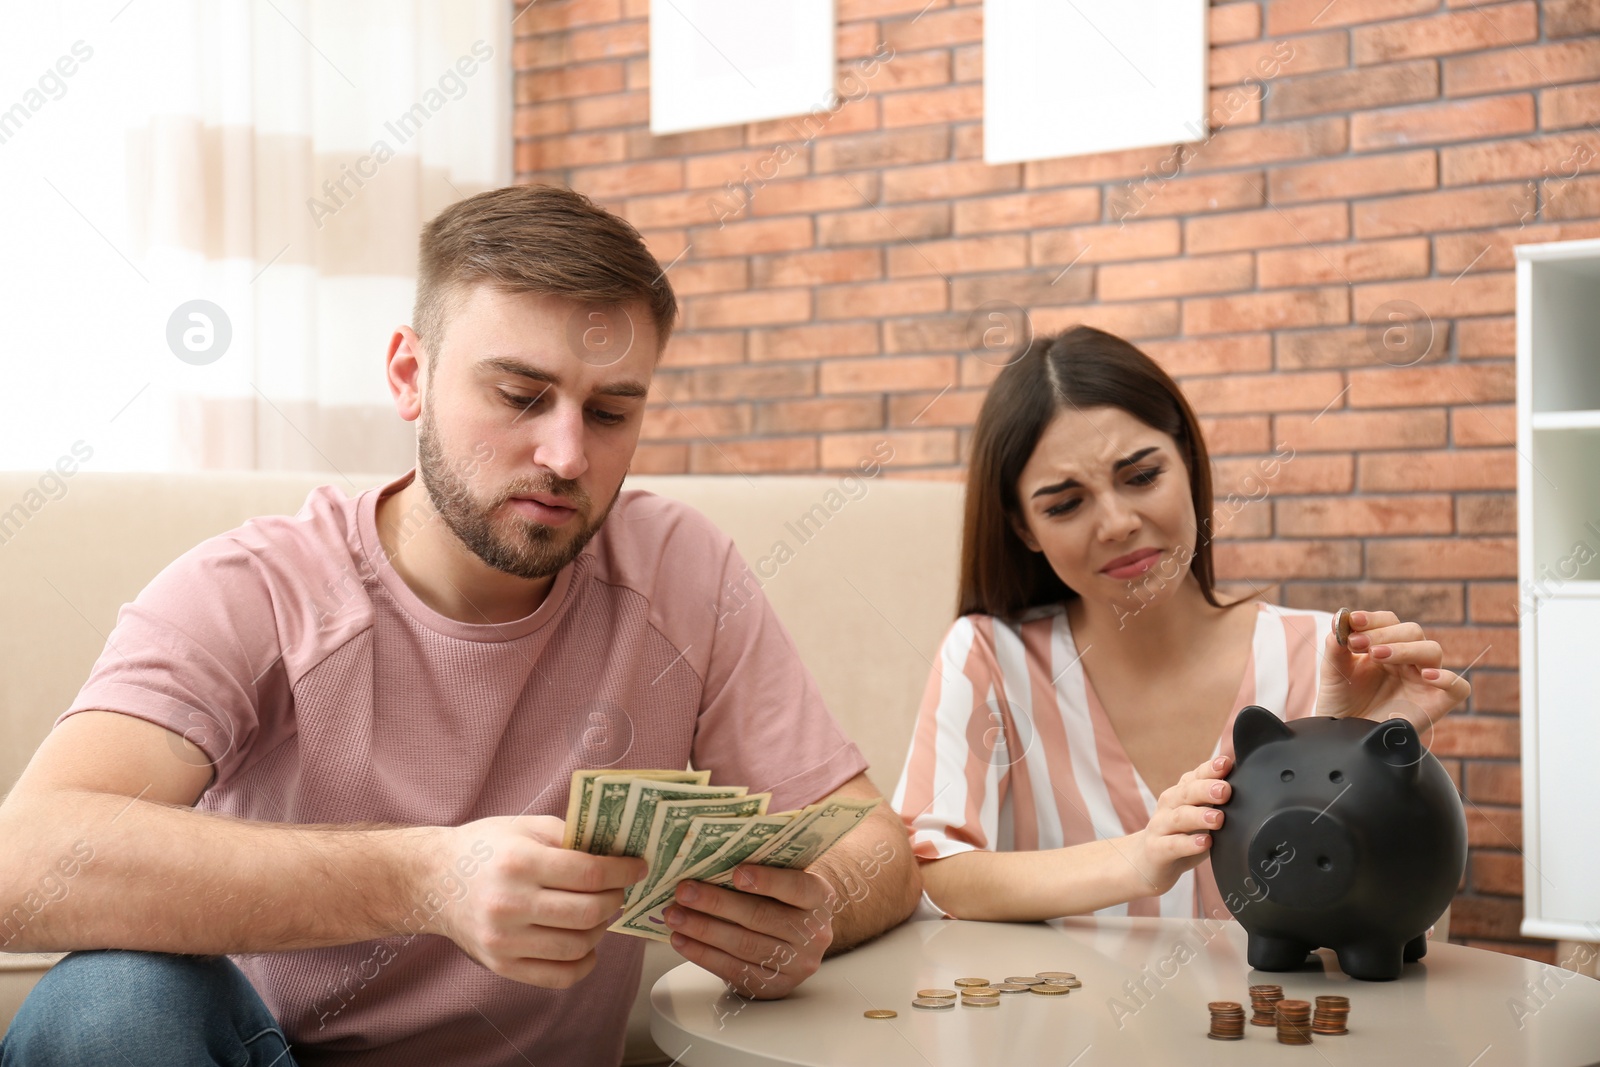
534, 239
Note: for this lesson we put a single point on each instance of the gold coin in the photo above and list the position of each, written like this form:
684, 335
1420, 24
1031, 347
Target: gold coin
1055, 976
982, 992
880, 1013
937, 994
1341, 626
1012, 987
932, 1003
981, 1002
1050, 989
968, 983
1025, 980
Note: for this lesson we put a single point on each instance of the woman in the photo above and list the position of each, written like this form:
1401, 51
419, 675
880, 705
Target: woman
1092, 664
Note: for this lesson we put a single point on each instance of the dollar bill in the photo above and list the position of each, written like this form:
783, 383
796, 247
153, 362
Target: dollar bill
802, 843
605, 824
704, 840
639, 809
581, 795
688, 829
646, 918
671, 824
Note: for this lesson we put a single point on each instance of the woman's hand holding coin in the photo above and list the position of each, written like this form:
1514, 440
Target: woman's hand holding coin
1375, 666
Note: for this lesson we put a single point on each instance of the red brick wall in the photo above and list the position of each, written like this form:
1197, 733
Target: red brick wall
1365, 152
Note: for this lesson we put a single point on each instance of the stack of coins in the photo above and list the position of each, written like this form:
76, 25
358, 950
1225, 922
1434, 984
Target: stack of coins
1227, 1020
1264, 1000
980, 997
1331, 1015
1294, 1022
1066, 978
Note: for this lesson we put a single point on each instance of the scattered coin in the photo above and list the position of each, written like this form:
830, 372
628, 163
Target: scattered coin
1227, 1020
1341, 626
1050, 989
1028, 980
1055, 976
1294, 1018
937, 994
880, 1013
981, 1002
970, 983
1013, 987
987, 992
933, 1003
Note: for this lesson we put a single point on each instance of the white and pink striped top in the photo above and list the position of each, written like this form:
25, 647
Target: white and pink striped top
1013, 750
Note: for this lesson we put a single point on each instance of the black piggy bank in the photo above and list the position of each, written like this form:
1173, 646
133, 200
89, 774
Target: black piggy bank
1341, 833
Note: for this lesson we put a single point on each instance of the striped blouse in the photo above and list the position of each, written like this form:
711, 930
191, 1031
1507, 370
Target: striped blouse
1013, 749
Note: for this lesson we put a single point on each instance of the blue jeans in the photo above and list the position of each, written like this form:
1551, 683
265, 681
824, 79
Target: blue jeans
144, 1009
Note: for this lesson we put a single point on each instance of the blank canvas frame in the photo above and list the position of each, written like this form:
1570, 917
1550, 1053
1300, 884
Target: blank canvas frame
728, 62
1074, 77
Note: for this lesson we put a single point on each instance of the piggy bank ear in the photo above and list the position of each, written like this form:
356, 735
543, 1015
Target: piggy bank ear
1395, 742
1256, 726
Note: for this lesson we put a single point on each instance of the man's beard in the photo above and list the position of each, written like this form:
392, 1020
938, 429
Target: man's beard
535, 550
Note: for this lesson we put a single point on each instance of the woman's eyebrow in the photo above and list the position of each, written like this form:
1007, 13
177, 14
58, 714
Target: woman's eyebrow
1073, 483
1128, 461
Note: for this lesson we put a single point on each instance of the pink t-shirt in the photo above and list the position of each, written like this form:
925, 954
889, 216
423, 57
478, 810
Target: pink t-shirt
325, 691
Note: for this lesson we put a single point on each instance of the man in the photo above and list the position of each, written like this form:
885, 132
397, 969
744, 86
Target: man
336, 747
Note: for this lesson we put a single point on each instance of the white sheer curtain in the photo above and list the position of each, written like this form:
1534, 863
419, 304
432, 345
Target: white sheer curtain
175, 171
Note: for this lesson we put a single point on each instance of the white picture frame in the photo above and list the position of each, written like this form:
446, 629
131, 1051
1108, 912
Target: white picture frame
727, 62
1075, 77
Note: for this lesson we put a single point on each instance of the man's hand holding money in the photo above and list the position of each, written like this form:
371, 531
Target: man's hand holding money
530, 909
764, 935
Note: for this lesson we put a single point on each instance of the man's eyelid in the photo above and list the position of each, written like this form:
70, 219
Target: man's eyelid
520, 388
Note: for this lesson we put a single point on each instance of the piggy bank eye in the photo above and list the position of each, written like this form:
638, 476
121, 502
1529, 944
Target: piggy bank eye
1335, 776
1287, 776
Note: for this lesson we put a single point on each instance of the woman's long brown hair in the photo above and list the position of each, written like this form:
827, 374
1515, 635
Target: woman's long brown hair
1082, 367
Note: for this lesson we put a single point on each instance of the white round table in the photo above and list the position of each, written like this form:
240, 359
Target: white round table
1146, 983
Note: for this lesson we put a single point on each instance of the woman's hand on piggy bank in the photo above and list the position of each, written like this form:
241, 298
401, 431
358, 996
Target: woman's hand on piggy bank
1390, 669
1178, 835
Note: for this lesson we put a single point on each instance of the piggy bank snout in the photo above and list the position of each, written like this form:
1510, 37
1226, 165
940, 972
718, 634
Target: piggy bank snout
1303, 858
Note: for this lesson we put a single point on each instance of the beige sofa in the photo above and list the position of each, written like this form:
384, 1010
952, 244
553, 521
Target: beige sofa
867, 588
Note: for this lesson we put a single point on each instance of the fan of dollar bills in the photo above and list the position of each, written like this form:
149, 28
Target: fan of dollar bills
688, 829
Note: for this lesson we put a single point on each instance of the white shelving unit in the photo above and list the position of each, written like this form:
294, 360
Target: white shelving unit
1558, 564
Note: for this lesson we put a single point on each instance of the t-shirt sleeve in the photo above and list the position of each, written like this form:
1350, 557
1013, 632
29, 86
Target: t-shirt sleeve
952, 788
196, 652
762, 721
